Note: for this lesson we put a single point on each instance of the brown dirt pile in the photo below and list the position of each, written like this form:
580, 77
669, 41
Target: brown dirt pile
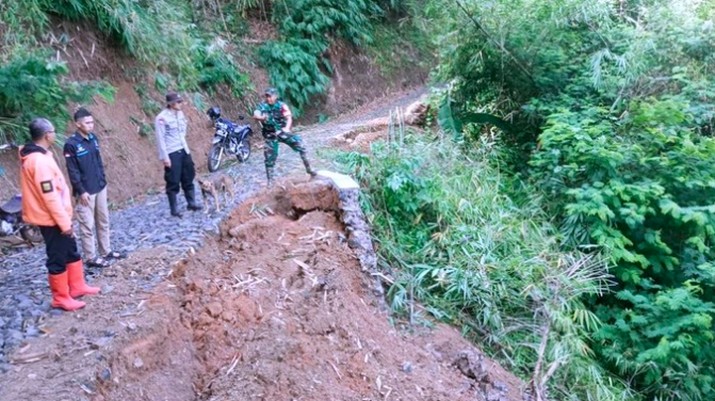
280, 310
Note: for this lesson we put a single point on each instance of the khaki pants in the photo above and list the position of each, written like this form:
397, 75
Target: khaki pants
96, 215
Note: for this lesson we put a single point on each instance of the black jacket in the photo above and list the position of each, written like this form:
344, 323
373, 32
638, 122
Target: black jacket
84, 164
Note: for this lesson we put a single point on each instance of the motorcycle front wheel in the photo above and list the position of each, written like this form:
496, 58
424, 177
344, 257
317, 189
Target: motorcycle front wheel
215, 156
31, 234
244, 151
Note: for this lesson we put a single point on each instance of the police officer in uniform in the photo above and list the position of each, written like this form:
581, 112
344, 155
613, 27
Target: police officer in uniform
179, 171
276, 123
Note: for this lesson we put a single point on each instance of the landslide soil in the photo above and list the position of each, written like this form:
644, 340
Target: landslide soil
275, 308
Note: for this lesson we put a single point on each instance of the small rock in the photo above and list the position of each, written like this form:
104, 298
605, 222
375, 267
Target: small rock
471, 364
36, 313
493, 395
501, 386
105, 375
32, 331
14, 335
407, 367
5, 367
23, 302
138, 362
214, 309
32, 376
100, 342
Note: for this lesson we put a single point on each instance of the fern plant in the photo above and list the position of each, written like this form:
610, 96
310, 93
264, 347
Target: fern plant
296, 62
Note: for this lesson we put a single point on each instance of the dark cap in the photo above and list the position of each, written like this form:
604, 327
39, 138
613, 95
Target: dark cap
173, 97
271, 92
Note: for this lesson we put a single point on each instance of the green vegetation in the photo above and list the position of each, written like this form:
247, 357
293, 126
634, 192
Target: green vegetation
191, 46
159, 35
471, 255
297, 61
603, 114
31, 85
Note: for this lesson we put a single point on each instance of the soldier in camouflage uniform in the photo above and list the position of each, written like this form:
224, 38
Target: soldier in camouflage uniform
276, 121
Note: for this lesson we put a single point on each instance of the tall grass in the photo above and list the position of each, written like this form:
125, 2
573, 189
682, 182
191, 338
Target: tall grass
459, 249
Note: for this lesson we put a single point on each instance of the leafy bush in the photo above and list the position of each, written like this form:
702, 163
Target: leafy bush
160, 34
295, 69
32, 85
295, 62
643, 191
217, 68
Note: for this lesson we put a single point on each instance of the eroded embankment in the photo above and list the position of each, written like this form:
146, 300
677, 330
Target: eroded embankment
283, 306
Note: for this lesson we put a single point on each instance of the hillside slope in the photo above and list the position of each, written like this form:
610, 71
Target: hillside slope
125, 127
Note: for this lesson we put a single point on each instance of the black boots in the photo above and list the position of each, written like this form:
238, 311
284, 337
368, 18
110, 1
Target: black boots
172, 205
191, 202
306, 163
269, 176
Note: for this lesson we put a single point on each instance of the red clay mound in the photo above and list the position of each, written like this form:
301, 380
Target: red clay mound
281, 310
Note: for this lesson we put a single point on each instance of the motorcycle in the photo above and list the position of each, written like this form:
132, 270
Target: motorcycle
11, 223
229, 138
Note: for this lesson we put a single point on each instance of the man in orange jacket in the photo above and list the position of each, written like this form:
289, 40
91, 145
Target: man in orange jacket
46, 203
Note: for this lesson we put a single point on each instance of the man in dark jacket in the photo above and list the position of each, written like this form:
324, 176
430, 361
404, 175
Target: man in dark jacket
89, 187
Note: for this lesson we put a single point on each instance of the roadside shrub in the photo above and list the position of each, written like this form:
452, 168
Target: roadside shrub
33, 85
643, 191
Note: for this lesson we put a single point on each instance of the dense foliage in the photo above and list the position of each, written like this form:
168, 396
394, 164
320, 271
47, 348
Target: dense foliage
193, 46
32, 85
452, 239
159, 35
610, 106
296, 61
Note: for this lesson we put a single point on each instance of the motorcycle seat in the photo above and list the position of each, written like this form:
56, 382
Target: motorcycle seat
14, 205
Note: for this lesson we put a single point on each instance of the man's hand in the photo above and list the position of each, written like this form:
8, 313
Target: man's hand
68, 233
167, 163
84, 199
257, 115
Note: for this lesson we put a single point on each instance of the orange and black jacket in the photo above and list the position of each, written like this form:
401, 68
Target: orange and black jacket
46, 199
